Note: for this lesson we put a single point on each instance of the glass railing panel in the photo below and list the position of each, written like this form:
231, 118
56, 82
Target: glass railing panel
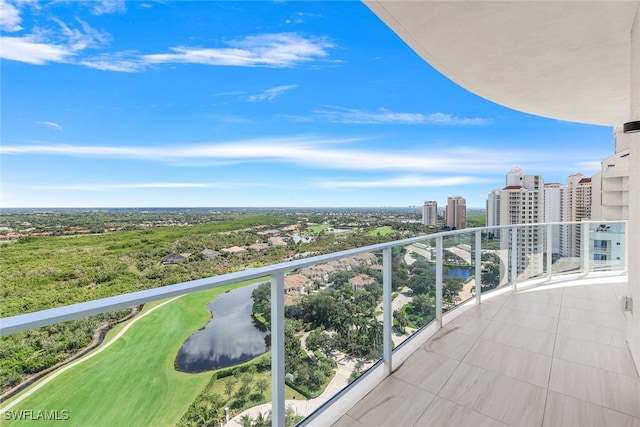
178, 369
458, 273
414, 302
530, 248
607, 246
566, 249
495, 252
132, 372
333, 325
192, 360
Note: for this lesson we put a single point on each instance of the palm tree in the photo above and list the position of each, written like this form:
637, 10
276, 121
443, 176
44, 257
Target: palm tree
246, 421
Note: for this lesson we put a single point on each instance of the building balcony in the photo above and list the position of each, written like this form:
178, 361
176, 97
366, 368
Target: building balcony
500, 340
553, 353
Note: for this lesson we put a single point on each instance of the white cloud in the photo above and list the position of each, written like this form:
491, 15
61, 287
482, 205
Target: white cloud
104, 7
67, 43
52, 125
78, 40
40, 48
311, 152
270, 94
107, 187
32, 51
9, 17
408, 181
268, 50
384, 116
593, 166
126, 62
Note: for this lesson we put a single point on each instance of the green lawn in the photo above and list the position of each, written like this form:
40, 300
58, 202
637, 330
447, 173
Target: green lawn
318, 228
133, 382
382, 231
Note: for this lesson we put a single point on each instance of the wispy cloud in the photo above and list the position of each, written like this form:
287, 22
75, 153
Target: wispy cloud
41, 47
10, 19
32, 51
68, 43
108, 187
52, 125
384, 116
266, 50
81, 39
594, 166
406, 181
270, 94
126, 62
310, 152
104, 7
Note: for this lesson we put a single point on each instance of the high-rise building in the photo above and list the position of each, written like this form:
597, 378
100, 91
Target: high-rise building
578, 197
430, 213
578, 208
521, 201
456, 213
555, 210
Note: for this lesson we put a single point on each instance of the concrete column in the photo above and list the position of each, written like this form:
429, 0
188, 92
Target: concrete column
633, 319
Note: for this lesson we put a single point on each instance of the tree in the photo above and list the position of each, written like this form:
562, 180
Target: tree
246, 421
262, 385
230, 385
401, 318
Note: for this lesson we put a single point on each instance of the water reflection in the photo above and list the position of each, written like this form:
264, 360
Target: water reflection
230, 338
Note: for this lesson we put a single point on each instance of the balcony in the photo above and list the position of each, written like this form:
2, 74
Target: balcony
551, 354
518, 337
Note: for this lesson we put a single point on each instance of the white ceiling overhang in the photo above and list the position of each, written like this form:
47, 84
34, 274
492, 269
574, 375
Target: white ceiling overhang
559, 59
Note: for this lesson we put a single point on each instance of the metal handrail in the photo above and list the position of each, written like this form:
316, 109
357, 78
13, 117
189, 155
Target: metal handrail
277, 273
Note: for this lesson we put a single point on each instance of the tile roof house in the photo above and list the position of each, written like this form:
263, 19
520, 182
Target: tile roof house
174, 258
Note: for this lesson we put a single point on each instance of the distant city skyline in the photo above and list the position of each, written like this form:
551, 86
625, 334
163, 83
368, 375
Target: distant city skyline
250, 104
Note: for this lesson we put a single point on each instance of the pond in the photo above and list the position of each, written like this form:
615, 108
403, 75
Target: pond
230, 338
458, 272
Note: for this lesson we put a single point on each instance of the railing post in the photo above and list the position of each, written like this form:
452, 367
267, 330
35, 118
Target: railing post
549, 251
478, 266
514, 258
387, 315
439, 282
277, 349
584, 247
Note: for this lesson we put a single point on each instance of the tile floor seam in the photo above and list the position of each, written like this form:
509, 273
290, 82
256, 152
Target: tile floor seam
528, 312
553, 352
415, 424
519, 348
477, 337
469, 362
596, 367
499, 375
466, 407
595, 404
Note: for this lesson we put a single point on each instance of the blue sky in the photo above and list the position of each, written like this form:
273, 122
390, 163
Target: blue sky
215, 103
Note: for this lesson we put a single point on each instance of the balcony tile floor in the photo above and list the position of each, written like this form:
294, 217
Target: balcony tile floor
545, 356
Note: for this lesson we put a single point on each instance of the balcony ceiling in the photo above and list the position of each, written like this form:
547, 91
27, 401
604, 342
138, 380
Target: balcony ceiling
565, 60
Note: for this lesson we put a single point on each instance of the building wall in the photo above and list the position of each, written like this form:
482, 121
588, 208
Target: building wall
456, 213
430, 213
555, 211
612, 203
